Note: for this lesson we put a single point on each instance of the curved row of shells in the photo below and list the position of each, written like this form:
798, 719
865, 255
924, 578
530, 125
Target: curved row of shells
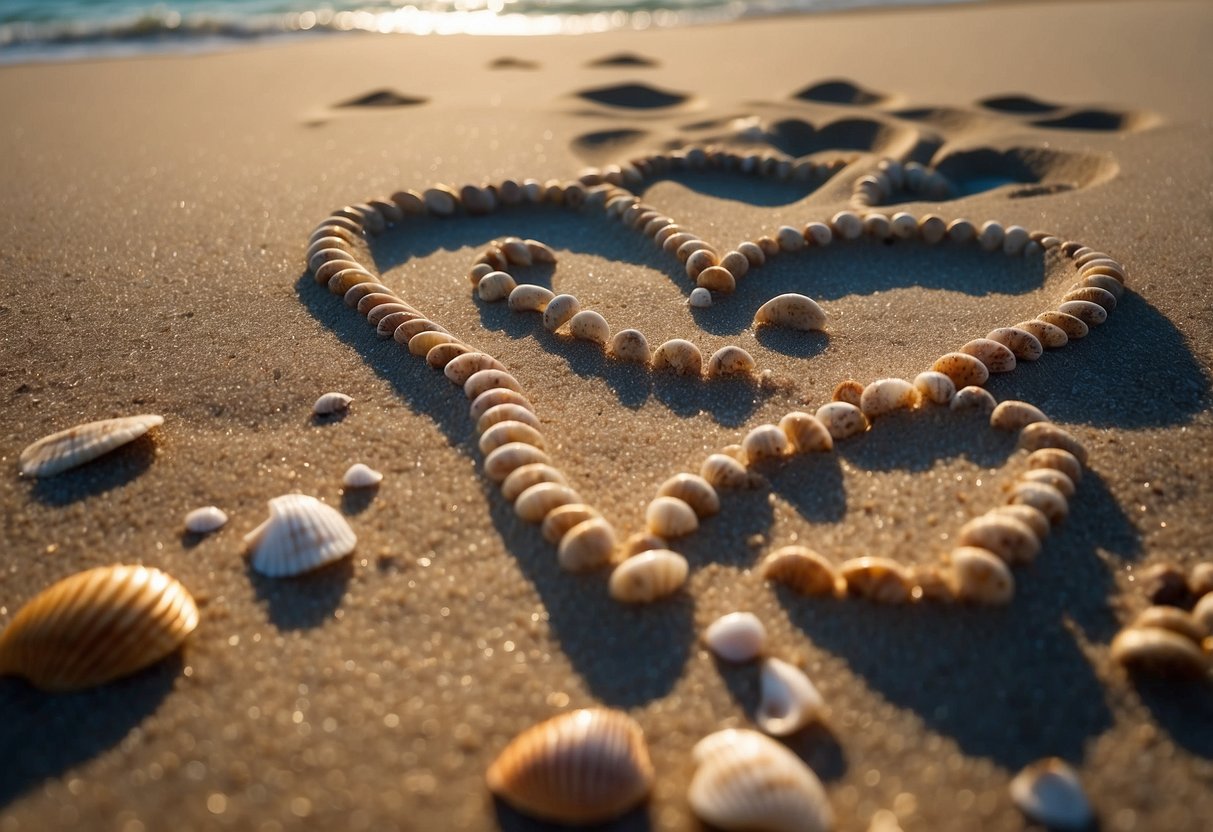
1174, 636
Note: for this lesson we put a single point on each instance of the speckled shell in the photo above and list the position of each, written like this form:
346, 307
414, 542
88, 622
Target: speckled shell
842, 420
680, 356
631, 345
586, 545
730, 360
963, 369
205, 520
1022, 344
980, 576
723, 471
766, 442
973, 399
886, 395
802, 570
670, 517
559, 311
877, 579
527, 297
588, 325
648, 576
1073, 327
1048, 435
1050, 476
1011, 539
746, 781
935, 387
1059, 459
359, 475
301, 534
462, 367
1014, 415
736, 637
582, 767
97, 626
1159, 652
806, 433
997, 357
789, 701
693, 490
75, 446
792, 311
1048, 792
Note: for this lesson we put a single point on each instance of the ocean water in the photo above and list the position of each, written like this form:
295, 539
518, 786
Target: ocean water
63, 29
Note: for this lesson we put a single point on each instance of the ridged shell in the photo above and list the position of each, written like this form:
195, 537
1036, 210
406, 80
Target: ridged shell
205, 520
806, 433
1048, 791
300, 535
587, 545
877, 579
670, 517
801, 569
849, 391
725, 472
503, 461
736, 637
766, 442
503, 433
648, 577
789, 700
97, 626
360, 475
66, 449
520, 479
693, 490
746, 782
792, 311
560, 520
583, 767
981, 577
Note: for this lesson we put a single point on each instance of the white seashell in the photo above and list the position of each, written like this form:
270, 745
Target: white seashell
1047, 499
766, 442
935, 387
963, 369
559, 311
484, 380
996, 357
980, 576
534, 504
747, 781
361, 476
1050, 476
205, 520
581, 767
1050, 336
462, 367
847, 225
693, 490
560, 520
1013, 415
588, 325
301, 534
801, 569
1160, 652
1049, 792
1059, 459
1009, 538
501, 462
724, 471
680, 356
789, 700
587, 545
877, 579
886, 395
1022, 344
505, 432
877, 226
1048, 435
520, 479
730, 360
842, 420
630, 345
494, 396
736, 637
670, 517
806, 433
527, 297
716, 279
75, 446
700, 298
792, 311
648, 576
973, 399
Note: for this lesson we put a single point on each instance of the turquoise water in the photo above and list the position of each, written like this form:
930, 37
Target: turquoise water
51, 29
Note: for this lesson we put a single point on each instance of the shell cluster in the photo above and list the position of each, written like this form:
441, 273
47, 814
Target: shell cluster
1174, 636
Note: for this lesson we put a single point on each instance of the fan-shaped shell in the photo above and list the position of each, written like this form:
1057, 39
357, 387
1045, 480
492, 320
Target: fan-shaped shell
66, 449
300, 535
97, 626
648, 576
587, 545
693, 490
582, 767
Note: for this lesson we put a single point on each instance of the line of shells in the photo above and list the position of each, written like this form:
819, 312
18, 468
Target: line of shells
1173, 637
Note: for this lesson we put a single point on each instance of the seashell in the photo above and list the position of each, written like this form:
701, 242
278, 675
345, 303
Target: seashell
492, 256
75, 446
527, 297
423, 342
383, 310
1009, 538
522, 478
1013, 415
630, 345
361, 476
842, 420
1031, 517
903, 225
789, 238
818, 234
331, 403
346, 279
730, 360
689, 254
407, 330
1200, 581
205, 520
648, 576
388, 324
370, 300
737, 264
932, 229
501, 461
846, 225
478, 271
560, 520
670, 517
1202, 613
409, 202
961, 231
997, 357
1048, 435
442, 354
931, 584
588, 325
559, 311
693, 490
326, 271
877, 579
1046, 498
789, 700
97, 626
793, 311
700, 298
1164, 583
675, 240
1050, 476
439, 200
1074, 328
495, 286
964, 369
582, 767
517, 252
1157, 651
766, 442
1014, 239
806, 433
505, 432
483, 380
462, 367
737, 637
886, 395
980, 576
1048, 792
587, 545
506, 412
301, 534
1049, 335
642, 541
716, 279
747, 781
328, 255
723, 471
877, 226
973, 399
1057, 458
768, 245
1091, 294
991, 235
678, 355
801, 569
1098, 280
534, 504
935, 387
1091, 314
1173, 619
494, 396
752, 252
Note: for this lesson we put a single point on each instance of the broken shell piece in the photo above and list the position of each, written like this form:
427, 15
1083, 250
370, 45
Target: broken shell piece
75, 446
648, 577
700, 298
973, 399
501, 462
886, 395
1009, 538
736, 637
806, 433
789, 700
670, 517
205, 520
792, 311
534, 504
630, 345
97, 626
559, 311
980, 576
1160, 652
359, 475
935, 387
560, 520
1014, 415
1048, 435
1048, 792
588, 325
678, 355
693, 490
766, 442
877, 579
802, 570
527, 297
582, 767
301, 534
842, 420
724, 471
730, 360
964, 369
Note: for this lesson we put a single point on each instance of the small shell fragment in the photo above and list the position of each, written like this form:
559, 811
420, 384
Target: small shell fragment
736, 637
789, 699
648, 577
670, 517
301, 534
802, 570
1049, 792
205, 520
877, 579
359, 475
842, 420
587, 545
75, 446
792, 311
886, 395
980, 576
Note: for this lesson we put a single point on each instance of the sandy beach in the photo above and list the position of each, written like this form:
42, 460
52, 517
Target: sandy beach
153, 228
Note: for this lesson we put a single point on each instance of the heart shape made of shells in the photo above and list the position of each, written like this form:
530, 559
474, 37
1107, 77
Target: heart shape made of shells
512, 444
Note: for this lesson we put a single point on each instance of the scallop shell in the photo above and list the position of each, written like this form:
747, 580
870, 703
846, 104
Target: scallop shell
534, 504
730, 360
583, 767
69, 448
631, 345
586, 545
789, 700
792, 311
980, 576
670, 517
648, 576
842, 420
205, 520
693, 490
1048, 791
877, 579
766, 442
1014, 415
678, 355
736, 637
886, 395
723, 471
359, 475
935, 387
806, 433
747, 781
801, 569
97, 626
588, 325
300, 535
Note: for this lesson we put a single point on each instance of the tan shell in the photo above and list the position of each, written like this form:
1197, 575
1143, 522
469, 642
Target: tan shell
678, 355
802, 570
849, 391
484, 380
1200, 580
693, 490
847, 225
558, 521
301, 534
670, 517
877, 579
370, 300
766, 442
792, 311
494, 396
506, 412
508, 431
1091, 314
534, 504
69, 448
973, 399
1049, 792
1014, 415
716, 279
1009, 538
737, 264
1173, 619
648, 576
700, 298
752, 252
442, 354
980, 576
933, 386
527, 297
559, 311
789, 700
478, 271
1022, 344
730, 360
517, 252
724, 471
1160, 652
582, 767
1202, 613
886, 395
1048, 435
1050, 476
1031, 517
806, 433
586, 545
1074, 328
588, 325
495, 286
842, 420
504, 460
522, 478
462, 367
1051, 502
1050, 336
1092, 294
963, 369
996, 357
631, 345
1059, 459
423, 342
97, 626
409, 329
439, 200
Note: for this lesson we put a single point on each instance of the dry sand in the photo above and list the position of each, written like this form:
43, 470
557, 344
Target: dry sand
152, 227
